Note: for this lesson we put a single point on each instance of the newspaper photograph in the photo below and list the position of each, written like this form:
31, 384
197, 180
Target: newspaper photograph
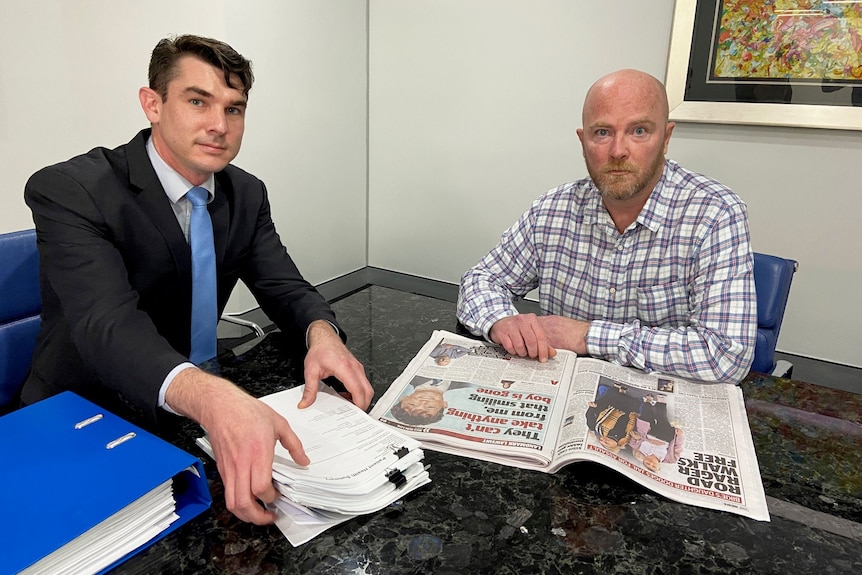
686, 440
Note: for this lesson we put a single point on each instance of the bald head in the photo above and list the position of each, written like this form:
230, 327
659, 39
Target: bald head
634, 85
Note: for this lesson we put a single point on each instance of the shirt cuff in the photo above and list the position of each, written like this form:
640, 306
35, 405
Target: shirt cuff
603, 339
167, 383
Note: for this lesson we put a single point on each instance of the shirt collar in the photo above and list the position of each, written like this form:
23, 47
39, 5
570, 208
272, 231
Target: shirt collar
654, 214
593, 207
174, 184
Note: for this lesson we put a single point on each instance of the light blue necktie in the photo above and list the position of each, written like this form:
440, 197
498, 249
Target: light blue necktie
204, 307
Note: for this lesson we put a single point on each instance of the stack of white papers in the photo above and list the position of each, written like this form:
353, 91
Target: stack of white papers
358, 465
114, 538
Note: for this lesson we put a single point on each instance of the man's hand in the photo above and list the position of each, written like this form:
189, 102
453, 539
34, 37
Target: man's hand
565, 333
243, 432
524, 336
329, 357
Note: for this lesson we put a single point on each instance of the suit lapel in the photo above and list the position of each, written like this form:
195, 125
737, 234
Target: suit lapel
220, 214
154, 202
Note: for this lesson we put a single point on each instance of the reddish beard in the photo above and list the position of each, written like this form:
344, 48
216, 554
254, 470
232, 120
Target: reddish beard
627, 185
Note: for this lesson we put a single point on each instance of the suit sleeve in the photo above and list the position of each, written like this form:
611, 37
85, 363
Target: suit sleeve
277, 284
85, 285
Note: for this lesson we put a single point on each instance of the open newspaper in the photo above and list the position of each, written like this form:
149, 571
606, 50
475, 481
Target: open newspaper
685, 440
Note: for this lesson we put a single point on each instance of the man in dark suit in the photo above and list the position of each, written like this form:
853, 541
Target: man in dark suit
116, 280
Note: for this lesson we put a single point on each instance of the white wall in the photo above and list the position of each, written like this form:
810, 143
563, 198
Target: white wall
473, 112
70, 72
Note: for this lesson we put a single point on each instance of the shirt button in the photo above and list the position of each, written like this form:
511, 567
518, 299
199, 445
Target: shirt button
613, 290
619, 247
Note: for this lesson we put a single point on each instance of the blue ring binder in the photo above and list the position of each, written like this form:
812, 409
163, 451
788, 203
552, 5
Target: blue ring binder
69, 465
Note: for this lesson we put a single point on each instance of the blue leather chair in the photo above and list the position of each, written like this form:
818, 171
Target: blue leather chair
20, 305
772, 277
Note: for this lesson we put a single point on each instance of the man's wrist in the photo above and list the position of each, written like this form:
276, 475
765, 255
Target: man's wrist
318, 330
492, 320
169, 379
194, 392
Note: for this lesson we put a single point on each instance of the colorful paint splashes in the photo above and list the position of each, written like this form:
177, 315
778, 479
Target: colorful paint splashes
791, 39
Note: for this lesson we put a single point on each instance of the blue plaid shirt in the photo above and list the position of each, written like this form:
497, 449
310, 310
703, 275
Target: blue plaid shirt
674, 293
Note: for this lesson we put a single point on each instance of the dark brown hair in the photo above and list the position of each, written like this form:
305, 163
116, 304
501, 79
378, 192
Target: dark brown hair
166, 54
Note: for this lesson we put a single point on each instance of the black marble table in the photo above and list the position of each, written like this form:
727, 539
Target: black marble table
479, 517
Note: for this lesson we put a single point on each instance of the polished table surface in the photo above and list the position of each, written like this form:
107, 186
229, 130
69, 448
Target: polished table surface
479, 517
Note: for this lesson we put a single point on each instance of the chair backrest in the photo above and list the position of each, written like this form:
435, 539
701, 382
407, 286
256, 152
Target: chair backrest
20, 305
772, 278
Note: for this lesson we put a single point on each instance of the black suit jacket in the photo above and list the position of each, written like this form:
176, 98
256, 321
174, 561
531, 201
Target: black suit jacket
116, 274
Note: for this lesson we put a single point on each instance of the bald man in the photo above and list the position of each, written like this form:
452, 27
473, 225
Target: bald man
644, 263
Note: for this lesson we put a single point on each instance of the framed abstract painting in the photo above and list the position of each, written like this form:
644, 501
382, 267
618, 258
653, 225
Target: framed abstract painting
767, 62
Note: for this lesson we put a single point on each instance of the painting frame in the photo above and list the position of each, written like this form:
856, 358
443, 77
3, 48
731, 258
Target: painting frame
726, 112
